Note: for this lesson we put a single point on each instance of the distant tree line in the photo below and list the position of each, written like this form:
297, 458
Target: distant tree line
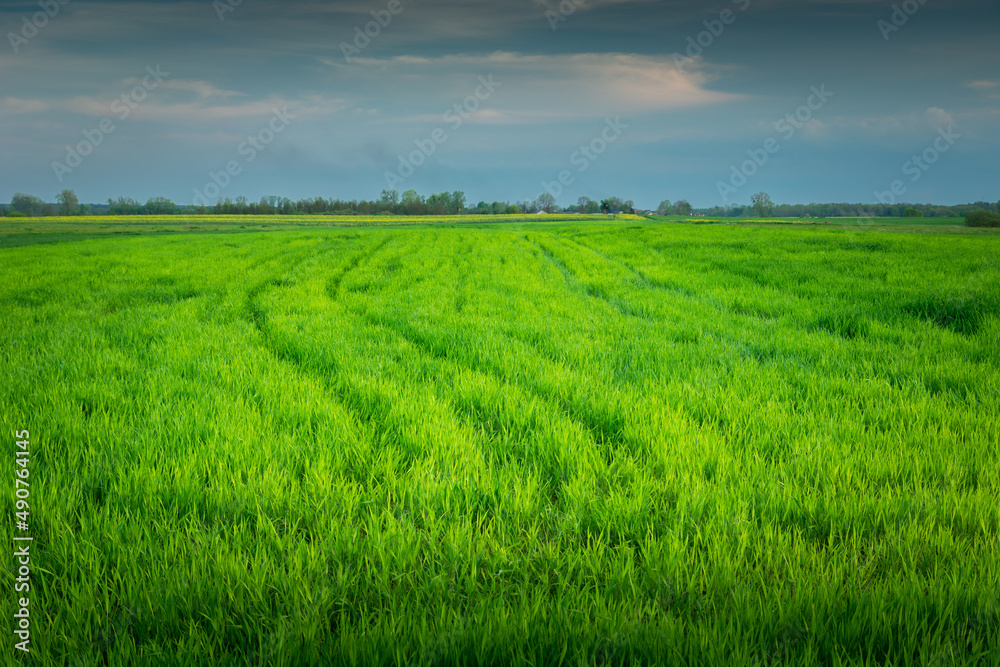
391, 202
410, 202
844, 210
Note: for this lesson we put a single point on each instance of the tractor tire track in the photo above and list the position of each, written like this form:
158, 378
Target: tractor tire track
576, 285
644, 280
600, 431
367, 407
333, 286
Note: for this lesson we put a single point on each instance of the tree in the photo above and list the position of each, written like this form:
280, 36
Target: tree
163, 206
665, 208
982, 218
682, 207
512, 210
528, 206
587, 205
266, 205
458, 201
911, 213
389, 198
762, 204
612, 204
546, 202
26, 204
124, 206
68, 202
440, 204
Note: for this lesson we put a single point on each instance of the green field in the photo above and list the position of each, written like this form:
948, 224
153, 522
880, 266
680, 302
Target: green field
936, 225
538, 443
29, 231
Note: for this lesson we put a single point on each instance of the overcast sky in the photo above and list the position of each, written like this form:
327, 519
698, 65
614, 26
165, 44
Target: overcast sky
332, 121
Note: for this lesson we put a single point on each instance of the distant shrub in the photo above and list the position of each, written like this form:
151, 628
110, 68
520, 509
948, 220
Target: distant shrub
17, 214
981, 218
911, 213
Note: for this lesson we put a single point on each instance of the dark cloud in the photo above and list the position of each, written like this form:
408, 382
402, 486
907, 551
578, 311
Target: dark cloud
689, 120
